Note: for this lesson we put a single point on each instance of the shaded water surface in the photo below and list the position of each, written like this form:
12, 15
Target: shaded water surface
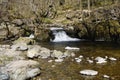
69, 68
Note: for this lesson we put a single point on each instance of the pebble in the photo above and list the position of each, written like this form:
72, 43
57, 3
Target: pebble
112, 59
106, 76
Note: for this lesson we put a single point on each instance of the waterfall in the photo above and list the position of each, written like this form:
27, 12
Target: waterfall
61, 36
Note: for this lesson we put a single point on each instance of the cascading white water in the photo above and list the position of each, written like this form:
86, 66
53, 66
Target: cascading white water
61, 36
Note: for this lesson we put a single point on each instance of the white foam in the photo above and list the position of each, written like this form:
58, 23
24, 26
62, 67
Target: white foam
61, 36
31, 36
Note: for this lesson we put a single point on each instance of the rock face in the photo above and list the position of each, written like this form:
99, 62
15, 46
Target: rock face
42, 34
22, 69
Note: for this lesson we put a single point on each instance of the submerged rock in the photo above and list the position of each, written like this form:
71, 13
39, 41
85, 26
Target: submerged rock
22, 69
100, 60
89, 72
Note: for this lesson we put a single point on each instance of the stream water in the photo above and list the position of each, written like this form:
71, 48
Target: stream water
69, 69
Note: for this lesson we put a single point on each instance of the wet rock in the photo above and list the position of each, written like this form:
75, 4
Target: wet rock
25, 40
78, 60
9, 54
90, 61
57, 54
44, 53
58, 60
42, 34
37, 51
72, 48
20, 46
5, 46
106, 76
100, 60
4, 76
89, 72
3, 34
112, 59
22, 69
33, 52
69, 53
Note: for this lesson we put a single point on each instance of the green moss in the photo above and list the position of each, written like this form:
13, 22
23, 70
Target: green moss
114, 23
47, 20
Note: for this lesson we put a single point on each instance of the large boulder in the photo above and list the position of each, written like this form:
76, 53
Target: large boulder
37, 51
33, 51
42, 34
21, 69
44, 53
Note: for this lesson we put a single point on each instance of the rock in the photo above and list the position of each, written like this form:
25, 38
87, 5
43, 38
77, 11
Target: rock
44, 53
25, 40
4, 76
50, 61
33, 52
81, 56
72, 48
42, 34
17, 22
7, 55
20, 46
90, 61
58, 60
22, 69
89, 72
100, 60
3, 34
78, 60
5, 46
112, 59
37, 51
69, 53
57, 54
106, 76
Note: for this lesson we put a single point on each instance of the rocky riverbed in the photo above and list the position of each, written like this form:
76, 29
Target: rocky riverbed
21, 61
